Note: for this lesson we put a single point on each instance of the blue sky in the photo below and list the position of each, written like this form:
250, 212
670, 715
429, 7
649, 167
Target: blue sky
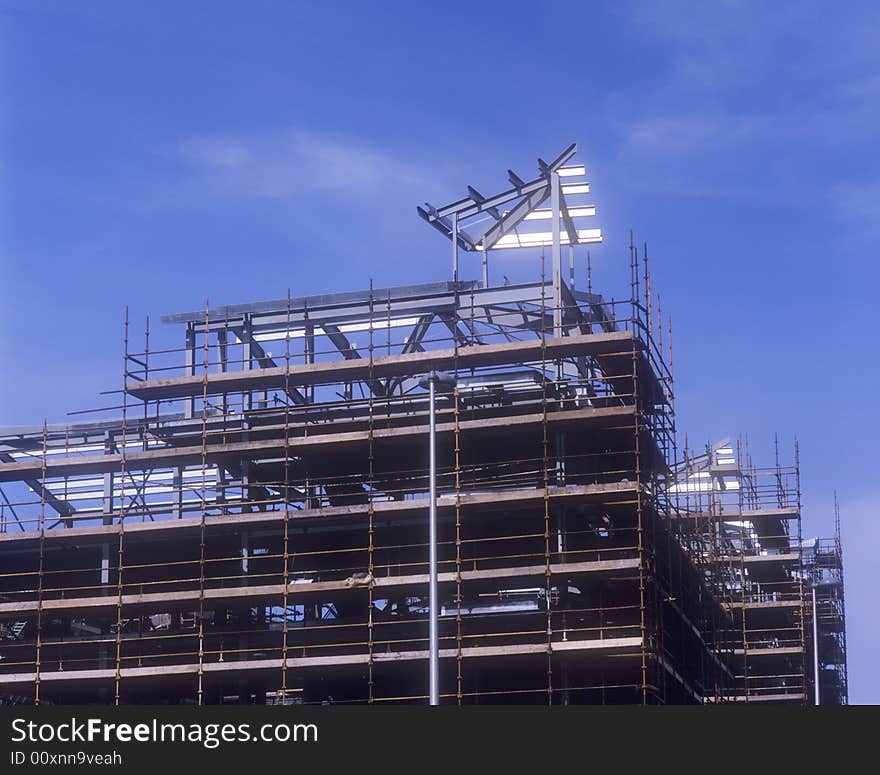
160, 154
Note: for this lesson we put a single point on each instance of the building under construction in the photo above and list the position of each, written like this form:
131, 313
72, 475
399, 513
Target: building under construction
251, 525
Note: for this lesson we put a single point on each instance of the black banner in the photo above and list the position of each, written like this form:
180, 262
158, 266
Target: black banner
387, 739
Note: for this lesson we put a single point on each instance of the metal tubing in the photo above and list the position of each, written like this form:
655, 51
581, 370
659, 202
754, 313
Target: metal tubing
455, 248
815, 647
556, 254
434, 651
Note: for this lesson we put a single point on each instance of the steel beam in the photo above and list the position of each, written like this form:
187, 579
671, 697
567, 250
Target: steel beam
333, 372
266, 362
510, 221
350, 353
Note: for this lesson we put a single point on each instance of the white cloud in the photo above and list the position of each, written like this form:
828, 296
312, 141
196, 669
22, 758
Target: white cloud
287, 165
691, 133
697, 132
720, 44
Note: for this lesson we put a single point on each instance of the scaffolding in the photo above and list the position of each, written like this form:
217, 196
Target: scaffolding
749, 520
252, 527
823, 561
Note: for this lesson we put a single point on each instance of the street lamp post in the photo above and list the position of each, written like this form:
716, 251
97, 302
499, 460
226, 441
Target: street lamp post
816, 696
432, 381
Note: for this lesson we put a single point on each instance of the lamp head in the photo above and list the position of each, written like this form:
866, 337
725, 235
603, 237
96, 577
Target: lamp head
441, 379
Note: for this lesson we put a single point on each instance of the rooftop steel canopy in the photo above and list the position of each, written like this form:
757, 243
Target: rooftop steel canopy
523, 204
503, 215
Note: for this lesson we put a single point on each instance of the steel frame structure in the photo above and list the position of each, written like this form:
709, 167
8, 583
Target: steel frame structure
747, 523
253, 527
